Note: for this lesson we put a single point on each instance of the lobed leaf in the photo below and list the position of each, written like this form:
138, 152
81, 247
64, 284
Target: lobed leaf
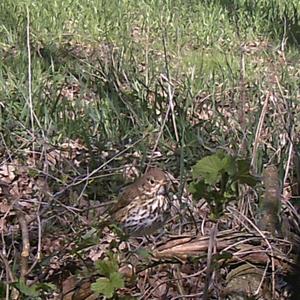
106, 267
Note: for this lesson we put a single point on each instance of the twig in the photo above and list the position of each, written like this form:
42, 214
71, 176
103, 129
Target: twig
170, 92
211, 245
90, 175
258, 132
25, 242
290, 136
170, 106
262, 279
242, 102
9, 273
194, 296
39, 246
30, 104
160, 133
284, 39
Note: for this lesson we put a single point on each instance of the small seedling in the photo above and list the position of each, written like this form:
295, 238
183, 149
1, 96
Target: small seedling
216, 178
111, 280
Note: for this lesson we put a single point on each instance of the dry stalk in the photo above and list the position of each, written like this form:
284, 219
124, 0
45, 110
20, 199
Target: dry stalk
9, 274
258, 133
209, 270
242, 102
87, 177
25, 242
30, 103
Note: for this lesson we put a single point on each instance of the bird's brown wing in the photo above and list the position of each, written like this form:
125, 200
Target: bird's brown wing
127, 195
119, 214
134, 190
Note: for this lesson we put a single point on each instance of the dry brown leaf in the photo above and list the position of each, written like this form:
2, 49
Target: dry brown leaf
160, 287
68, 287
127, 271
3, 227
7, 172
4, 206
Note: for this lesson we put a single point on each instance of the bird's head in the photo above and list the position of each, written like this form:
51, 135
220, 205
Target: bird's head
154, 182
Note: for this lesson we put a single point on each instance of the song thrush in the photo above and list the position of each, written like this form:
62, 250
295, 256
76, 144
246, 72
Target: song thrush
143, 206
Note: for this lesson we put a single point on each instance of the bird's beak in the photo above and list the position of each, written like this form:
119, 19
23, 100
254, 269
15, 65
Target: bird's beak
162, 190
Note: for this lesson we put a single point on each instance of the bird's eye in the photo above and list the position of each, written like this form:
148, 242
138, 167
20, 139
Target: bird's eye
151, 181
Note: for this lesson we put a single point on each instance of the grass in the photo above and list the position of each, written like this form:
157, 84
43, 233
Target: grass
99, 72
105, 72
114, 54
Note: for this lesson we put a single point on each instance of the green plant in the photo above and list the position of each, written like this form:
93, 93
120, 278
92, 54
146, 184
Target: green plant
216, 178
35, 291
111, 280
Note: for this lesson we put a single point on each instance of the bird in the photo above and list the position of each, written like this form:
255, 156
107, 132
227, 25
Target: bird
143, 206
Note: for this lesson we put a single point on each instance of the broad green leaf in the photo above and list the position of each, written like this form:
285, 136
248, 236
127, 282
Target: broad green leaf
198, 189
216, 178
108, 286
30, 291
105, 267
220, 153
229, 165
116, 280
243, 166
192, 188
214, 196
243, 175
104, 287
248, 179
209, 168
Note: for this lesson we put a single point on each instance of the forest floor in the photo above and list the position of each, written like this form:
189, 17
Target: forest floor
93, 92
